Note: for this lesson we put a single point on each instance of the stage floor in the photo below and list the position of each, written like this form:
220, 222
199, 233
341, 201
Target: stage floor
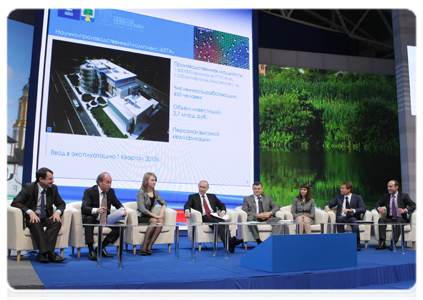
375, 270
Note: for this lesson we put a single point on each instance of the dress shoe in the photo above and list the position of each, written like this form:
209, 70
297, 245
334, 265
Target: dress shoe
391, 247
56, 258
381, 246
232, 244
105, 254
149, 251
42, 258
92, 255
259, 241
358, 247
239, 241
143, 253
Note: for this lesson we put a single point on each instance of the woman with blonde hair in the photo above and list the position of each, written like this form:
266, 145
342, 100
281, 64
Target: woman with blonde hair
147, 199
302, 208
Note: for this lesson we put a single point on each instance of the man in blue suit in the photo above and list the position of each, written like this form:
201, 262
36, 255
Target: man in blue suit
349, 208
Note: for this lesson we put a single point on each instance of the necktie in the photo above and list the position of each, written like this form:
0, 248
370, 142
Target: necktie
206, 207
347, 206
103, 216
43, 205
260, 205
394, 208
347, 203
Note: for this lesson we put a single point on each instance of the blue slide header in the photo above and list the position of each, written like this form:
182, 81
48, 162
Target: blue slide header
124, 29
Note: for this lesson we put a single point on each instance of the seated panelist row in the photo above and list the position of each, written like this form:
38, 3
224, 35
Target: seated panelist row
351, 207
95, 212
36, 201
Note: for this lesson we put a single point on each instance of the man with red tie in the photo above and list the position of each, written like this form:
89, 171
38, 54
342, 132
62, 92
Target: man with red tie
209, 204
396, 205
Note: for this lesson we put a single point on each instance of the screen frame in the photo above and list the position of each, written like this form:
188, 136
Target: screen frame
36, 87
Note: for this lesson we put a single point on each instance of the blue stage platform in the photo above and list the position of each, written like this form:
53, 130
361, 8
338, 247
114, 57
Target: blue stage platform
274, 256
375, 269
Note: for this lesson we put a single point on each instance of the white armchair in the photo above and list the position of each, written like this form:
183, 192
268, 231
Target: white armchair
365, 229
134, 235
409, 228
19, 238
205, 234
244, 232
320, 216
77, 232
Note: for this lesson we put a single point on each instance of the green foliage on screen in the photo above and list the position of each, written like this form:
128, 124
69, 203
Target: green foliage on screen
107, 125
324, 128
307, 109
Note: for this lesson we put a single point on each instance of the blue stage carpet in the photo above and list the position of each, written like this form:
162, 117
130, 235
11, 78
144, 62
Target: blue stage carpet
375, 269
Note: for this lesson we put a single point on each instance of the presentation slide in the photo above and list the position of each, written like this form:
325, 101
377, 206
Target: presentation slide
136, 91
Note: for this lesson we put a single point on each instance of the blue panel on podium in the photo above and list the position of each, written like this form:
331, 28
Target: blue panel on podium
288, 253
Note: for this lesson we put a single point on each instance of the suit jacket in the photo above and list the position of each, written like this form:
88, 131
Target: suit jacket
91, 200
356, 202
249, 205
143, 201
403, 200
194, 201
28, 197
300, 208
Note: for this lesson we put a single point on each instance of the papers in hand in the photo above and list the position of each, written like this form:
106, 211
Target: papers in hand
225, 217
116, 216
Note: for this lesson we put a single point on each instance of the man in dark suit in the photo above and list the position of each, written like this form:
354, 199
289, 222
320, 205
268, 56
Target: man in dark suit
261, 208
349, 208
396, 205
36, 200
209, 204
94, 211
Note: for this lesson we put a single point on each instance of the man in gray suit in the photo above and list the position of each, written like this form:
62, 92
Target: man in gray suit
261, 208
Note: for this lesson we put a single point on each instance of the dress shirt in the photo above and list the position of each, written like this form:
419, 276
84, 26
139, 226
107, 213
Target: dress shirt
203, 211
40, 190
257, 202
100, 197
208, 203
344, 204
396, 204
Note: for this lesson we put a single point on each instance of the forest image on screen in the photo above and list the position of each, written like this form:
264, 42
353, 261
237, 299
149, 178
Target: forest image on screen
325, 127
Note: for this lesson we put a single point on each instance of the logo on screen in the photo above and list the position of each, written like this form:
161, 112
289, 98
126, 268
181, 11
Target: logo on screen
69, 13
221, 48
88, 14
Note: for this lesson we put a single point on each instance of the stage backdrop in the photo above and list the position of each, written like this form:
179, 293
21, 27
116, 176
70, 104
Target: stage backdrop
326, 127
